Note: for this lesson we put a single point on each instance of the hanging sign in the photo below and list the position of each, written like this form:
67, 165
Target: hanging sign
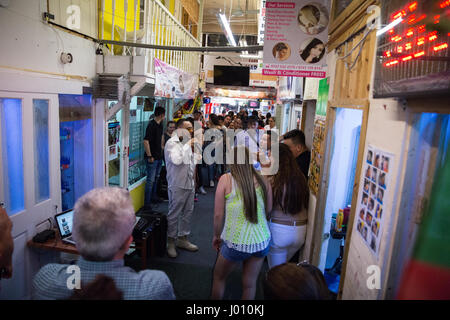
171, 82
317, 151
294, 38
372, 197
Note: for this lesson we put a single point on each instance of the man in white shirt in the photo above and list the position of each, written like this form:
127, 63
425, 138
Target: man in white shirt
251, 139
181, 187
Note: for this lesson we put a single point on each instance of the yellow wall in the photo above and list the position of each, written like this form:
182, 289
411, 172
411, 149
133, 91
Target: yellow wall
137, 196
119, 15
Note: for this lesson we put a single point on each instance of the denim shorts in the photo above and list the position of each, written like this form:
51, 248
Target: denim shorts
237, 256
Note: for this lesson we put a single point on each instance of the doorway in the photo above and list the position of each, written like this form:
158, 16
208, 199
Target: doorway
344, 144
29, 176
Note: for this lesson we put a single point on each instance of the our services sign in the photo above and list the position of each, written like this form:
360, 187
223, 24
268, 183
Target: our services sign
296, 32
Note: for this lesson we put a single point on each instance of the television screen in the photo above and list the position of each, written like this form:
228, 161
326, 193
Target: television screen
231, 76
253, 104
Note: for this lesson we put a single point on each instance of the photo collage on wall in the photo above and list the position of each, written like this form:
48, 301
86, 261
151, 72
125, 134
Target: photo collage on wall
373, 195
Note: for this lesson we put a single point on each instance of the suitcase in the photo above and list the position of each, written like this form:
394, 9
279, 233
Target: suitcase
157, 241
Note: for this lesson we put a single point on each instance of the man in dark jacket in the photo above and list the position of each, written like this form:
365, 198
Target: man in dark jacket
153, 155
295, 140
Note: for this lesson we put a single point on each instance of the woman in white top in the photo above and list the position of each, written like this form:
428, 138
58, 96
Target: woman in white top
289, 215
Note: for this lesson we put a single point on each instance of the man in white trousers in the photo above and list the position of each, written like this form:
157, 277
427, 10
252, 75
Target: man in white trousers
180, 164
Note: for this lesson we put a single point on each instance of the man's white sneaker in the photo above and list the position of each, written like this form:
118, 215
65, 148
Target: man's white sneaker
202, 190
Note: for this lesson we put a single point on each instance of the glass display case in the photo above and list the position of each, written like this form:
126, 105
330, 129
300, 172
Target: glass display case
76, 147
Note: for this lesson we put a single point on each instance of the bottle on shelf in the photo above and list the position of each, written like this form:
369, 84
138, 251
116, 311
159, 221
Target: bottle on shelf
339, 220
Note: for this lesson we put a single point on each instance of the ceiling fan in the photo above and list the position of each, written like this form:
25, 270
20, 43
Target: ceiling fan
240, 13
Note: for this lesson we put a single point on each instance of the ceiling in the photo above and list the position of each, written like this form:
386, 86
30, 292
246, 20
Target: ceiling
243, 13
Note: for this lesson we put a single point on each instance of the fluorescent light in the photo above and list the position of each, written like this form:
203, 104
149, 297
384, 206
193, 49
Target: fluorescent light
389, 26
228, 32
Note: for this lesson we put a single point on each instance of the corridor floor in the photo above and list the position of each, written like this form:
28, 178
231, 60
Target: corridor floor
191, 272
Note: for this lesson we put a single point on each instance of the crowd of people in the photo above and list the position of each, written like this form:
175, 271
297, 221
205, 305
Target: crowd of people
257, 213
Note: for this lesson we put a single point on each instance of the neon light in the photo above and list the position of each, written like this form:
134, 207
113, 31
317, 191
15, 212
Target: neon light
407, 58
391, 31
440, 47
412, 6
399, 14
421, 41
387, 53
421, 28
432, 36
391, 63
396, 38
410, 32
419, 54
400, 49
408, 46
444, 4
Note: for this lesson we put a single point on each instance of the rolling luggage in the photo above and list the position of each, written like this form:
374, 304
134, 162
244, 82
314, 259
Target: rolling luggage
157, 240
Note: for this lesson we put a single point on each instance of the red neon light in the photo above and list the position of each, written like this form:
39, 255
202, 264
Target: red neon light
440, 47
444, 4
410, 32
421, 28
408, 46
387, 53
396, 38
421, 41
412, 6
407, 58
436, 19
391, 31
399, 14
400, 49
432, 38
419, 54
391, 63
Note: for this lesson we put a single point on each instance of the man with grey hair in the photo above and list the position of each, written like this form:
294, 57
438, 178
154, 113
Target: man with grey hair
102, 229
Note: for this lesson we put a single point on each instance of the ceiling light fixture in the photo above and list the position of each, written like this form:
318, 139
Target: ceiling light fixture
226, 26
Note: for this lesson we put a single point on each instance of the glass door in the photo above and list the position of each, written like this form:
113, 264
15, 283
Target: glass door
29, 176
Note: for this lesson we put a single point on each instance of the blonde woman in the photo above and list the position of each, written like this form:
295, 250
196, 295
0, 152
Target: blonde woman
241, 232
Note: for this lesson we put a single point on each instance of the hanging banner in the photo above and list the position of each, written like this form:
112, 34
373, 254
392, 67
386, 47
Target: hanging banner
372, 195
171, 82
317, 151
294, 38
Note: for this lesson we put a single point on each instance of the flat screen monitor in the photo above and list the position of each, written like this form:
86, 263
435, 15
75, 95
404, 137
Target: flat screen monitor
231, 76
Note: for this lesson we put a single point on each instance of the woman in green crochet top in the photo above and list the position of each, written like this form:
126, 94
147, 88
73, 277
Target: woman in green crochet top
241, 232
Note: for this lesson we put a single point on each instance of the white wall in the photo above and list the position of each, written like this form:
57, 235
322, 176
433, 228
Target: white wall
29, 44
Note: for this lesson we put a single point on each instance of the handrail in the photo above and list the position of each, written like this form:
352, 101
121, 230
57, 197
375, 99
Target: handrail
175, 20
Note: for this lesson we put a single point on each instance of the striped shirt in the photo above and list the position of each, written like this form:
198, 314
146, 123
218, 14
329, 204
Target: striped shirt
50, 283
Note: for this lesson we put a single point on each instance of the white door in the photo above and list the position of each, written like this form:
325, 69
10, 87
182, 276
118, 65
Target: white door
29, 177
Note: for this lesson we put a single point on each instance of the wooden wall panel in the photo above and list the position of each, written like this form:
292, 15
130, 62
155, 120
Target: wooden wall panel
192, 8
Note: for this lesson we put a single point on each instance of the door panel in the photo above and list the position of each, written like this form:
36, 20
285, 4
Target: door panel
31, 139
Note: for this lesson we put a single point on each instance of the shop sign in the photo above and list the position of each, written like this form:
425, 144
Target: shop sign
296, 32
171, 82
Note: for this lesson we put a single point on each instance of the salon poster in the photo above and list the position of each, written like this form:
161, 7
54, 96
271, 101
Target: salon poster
171, 82
373, 193
294, 38
317, 149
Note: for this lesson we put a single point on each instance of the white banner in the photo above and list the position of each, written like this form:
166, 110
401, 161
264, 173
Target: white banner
296, 32
171, 82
